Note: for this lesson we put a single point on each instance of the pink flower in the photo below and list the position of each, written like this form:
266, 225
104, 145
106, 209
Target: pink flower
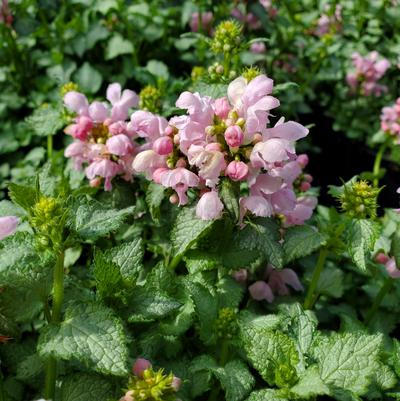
237, 171
103, 168
76, 102
260, 291
98, 111
8, 225
368, 70
279, 280
257, 205
77, 150
121, 102
180, 179
147, 125
234, 136
147, 162
119, 145
140, 366
209, 162
302, 211
392, 269
163, 145
209, 206
258, 48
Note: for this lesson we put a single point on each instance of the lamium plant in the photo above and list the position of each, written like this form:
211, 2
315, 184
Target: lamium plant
178, 240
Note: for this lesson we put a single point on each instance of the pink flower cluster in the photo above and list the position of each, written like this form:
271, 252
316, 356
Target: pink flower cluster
103, 140
228, 137
248, 19
8, 225
368, 70
329, 23
275, 282
390, 120
389, 263
206, 22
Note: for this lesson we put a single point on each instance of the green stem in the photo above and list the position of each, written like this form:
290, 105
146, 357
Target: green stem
309, 301
175, 261
227, 64
49, 147
378, 300
377, 163
58, 296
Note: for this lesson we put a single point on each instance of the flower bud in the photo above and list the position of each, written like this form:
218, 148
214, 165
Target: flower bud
234, 136
140, 366
95, 182
302, 160
381, 258
240, 276
305, 186
176, 383
163, 145
222, 107
237, 170
174, 199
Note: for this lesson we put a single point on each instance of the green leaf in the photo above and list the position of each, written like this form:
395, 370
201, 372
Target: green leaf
117, 46
45, 121
301, 241
272, 353
301, 326
86, 387
310, 384
88, 78
263, 235
213, 90
91, 334
128, 256
268, 395
360, 239
230, 192
158, 69
348, 360
331, 282
396, 356
107, 275
206, 305
92, 220
198, 261
148, 305
235, 379
22, 266
154, 198
280, 88
22, 195
200, 370
188, 229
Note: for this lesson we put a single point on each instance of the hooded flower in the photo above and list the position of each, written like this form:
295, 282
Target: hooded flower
209, 206
179, 179
8, 225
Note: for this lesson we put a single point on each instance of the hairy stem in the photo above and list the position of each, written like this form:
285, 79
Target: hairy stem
377, 164
378, 300
49, 147
58, 296
309, 301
